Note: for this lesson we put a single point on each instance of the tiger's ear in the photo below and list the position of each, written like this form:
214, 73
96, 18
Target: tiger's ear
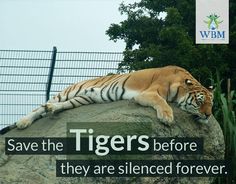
210, 88
188, 82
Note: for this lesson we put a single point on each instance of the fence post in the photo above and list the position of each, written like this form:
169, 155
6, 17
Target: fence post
50, 74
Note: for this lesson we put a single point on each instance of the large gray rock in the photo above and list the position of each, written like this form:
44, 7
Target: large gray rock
37, 169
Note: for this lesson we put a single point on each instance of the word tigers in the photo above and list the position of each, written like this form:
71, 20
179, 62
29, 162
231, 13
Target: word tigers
150, 87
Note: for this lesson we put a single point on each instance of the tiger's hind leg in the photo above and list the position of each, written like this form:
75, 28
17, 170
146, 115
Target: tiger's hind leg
69, 104
37, 113
31, 117
52, 106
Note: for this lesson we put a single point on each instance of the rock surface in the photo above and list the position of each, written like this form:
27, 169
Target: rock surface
40, 169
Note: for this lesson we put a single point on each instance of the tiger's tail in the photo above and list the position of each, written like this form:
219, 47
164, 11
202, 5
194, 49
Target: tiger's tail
7, 129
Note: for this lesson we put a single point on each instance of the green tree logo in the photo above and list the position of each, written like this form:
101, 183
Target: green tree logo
213, 22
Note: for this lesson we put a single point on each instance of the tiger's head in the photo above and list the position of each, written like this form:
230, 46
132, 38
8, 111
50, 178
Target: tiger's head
197, 100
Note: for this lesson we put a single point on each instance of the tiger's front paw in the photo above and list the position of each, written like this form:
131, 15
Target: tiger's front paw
23, 123
166, 116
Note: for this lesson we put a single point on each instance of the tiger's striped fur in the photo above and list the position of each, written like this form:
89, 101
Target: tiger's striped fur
150, 87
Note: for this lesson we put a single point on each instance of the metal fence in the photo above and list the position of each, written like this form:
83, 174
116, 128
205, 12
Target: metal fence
29, 78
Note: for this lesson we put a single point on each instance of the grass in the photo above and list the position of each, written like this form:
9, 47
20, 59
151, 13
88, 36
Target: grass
224, 105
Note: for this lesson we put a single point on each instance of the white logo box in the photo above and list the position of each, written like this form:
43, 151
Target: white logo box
212, 21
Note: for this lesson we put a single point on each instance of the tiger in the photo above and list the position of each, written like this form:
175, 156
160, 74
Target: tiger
154, 87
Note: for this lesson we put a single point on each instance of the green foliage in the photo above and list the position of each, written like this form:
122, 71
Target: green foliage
224, 111
217, 98
154, 41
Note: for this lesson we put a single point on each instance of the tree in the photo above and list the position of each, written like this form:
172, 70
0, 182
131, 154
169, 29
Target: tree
154, 41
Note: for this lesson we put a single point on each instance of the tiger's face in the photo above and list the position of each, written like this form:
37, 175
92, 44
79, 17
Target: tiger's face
198, 100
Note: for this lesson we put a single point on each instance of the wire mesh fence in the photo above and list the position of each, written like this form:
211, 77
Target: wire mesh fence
28, 78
